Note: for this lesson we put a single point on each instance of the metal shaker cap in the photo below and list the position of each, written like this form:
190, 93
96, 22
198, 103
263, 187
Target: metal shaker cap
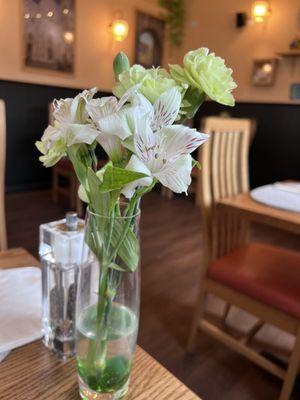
71, 220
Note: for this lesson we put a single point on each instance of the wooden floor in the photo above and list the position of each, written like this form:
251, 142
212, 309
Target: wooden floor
171, 252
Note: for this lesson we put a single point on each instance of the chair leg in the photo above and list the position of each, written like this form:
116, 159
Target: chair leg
55, 185
198, 314
292, 370
226, 312
73, 192
225, 315
165, 192
79, 208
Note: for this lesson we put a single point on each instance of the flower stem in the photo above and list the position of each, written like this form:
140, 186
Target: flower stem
108, 283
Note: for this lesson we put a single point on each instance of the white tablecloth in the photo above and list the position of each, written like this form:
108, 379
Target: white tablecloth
284, 195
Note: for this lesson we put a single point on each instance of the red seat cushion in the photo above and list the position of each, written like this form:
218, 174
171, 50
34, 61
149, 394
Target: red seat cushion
265, 273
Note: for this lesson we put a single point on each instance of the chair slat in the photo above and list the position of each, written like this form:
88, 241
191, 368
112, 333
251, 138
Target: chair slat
216, 137
234, 163
3, 237
222, 164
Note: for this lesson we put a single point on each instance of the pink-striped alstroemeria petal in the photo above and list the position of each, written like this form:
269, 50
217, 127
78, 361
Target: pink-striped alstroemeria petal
166, 109
179, 140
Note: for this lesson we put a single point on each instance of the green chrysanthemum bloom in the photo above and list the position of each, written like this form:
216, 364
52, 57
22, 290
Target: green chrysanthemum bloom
153, 82
208, 74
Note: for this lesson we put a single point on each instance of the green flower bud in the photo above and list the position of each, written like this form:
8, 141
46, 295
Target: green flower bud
120, 64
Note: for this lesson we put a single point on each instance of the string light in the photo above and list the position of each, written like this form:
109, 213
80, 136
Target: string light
65, 11
69, 37
38, 15
27, 16
50, 14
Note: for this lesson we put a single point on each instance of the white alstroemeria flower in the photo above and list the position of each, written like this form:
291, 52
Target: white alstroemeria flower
71, 123
68, 134
111, 117
72, 111
163, 112
164, 155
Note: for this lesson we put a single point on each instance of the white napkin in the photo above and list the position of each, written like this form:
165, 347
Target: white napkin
285, 195
20, 307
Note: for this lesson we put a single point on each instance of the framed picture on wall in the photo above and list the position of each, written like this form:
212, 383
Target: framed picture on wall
49, 34
295, 91
264, 72
149, 40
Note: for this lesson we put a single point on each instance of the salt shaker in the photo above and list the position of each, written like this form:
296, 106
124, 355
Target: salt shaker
61, 244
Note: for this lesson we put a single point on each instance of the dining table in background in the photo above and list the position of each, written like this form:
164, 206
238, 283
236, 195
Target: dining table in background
32, 372
254, 211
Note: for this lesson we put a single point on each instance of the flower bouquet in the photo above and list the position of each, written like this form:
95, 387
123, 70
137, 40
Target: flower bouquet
140, 130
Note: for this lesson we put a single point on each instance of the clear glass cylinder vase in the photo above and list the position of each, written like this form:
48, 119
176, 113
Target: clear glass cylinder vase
108, 302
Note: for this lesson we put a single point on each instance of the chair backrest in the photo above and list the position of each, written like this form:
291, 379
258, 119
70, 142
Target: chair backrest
50, 113
224, 173
3, 238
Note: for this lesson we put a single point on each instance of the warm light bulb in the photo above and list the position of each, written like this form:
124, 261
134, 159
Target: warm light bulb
50, 14
260, 10
69, 37
66, 11
38, 15
27, 16
119, 29
267, 68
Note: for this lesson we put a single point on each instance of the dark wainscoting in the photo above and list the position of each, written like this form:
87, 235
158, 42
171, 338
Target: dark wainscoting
26, 118
275, 150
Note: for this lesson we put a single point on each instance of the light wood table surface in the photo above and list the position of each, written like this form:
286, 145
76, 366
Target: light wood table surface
257, 212
31, 372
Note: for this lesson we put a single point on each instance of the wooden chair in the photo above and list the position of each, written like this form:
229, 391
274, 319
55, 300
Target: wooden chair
253, 277
3, 238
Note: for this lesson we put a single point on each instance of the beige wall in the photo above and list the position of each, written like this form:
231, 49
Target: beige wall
209, 23
212, 23
95, 48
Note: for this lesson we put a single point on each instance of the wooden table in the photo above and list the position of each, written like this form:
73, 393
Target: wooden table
31, 372
257, 212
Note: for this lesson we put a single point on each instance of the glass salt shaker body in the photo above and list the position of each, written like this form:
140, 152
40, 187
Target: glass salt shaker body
60, 250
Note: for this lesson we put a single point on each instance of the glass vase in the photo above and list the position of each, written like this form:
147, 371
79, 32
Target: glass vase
108, 301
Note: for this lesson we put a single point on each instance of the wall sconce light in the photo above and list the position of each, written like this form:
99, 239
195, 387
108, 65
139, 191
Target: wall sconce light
119, 29
261, 10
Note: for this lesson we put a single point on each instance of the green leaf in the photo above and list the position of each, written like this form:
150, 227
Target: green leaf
99, 201
193, 99
116, 267
115, 178
129, 250
196, 164
79, 163
114, 197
